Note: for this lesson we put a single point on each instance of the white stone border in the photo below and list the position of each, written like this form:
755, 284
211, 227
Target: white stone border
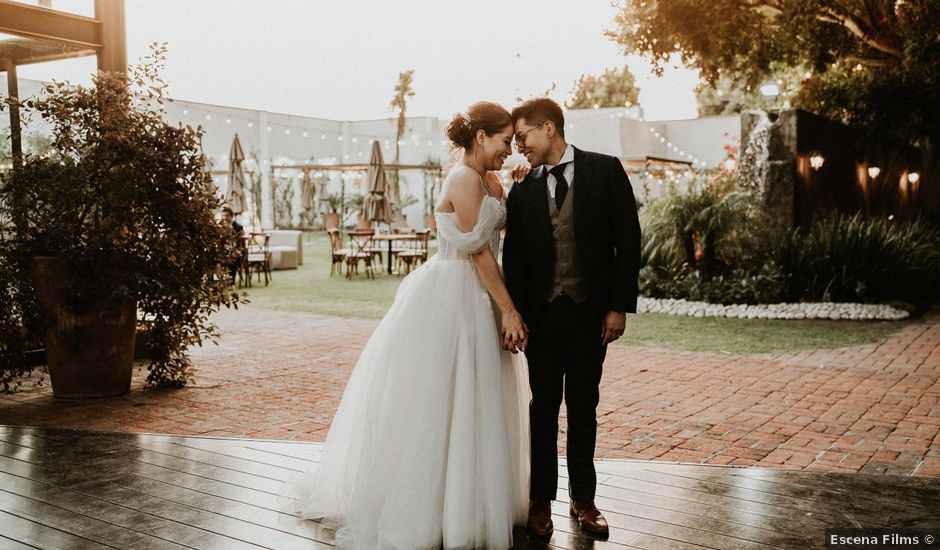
825, 310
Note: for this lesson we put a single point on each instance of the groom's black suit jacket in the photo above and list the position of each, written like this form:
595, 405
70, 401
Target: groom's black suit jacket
607, 232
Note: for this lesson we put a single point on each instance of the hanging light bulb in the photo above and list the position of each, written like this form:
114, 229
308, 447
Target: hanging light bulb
913, 177
874, 171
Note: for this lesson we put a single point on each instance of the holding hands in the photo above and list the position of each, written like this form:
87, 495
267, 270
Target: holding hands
514, 331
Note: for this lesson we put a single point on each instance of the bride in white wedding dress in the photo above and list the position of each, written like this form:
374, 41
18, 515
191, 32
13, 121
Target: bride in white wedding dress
429, 446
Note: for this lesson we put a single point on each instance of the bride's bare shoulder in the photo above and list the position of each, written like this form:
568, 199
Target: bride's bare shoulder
463, 181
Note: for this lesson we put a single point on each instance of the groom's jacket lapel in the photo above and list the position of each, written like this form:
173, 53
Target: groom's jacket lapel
583, 173
539, 195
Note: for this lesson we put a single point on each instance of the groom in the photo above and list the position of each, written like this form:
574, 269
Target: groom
571, 258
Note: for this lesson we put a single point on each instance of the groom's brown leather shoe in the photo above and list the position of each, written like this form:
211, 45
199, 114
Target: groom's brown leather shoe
540, 519
590, 518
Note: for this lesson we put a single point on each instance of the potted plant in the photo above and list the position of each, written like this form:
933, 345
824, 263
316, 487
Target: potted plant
357, 204
116, 224
331, 218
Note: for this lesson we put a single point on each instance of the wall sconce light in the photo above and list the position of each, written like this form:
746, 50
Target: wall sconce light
816, 161
913, 177
873, 172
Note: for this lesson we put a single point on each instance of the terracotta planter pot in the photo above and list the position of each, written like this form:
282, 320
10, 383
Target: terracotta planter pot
331, 220
89, 354
362, 222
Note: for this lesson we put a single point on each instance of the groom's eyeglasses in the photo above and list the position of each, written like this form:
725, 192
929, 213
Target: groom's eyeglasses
519, 138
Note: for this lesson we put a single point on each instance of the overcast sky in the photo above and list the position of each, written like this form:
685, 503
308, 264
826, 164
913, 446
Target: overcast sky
341, 59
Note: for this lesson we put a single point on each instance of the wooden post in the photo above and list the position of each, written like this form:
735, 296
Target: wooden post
112, 57
273, 181
16, 142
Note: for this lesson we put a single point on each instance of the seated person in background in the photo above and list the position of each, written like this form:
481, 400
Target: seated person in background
228, 220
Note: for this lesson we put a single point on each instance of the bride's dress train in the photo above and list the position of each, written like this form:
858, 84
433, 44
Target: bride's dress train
429, 445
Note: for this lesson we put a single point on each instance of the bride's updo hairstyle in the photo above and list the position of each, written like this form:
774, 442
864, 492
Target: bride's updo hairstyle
483, 115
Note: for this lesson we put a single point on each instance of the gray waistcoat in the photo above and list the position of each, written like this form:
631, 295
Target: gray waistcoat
569, 276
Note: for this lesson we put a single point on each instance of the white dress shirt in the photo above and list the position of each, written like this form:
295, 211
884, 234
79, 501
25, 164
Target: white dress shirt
568, 157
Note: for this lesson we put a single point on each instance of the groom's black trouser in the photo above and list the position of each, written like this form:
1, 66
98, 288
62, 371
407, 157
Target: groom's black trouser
566, 356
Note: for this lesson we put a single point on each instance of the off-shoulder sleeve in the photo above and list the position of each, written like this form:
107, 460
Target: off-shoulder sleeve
478, 238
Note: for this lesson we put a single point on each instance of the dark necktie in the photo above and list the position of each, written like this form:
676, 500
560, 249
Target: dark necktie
561, 184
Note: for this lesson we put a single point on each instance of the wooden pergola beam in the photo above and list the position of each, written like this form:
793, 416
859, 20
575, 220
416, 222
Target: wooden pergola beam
112, 54
16, 145
23, 51
49, 25
45, 34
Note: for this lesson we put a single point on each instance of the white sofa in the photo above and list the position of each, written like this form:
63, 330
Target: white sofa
286, 248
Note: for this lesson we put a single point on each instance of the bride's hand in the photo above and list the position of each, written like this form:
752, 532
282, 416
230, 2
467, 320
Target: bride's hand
520, 171
515, 333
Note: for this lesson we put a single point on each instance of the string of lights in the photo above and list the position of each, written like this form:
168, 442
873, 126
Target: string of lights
675, 149
197, 115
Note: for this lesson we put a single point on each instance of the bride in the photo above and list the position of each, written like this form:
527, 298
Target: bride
429, 446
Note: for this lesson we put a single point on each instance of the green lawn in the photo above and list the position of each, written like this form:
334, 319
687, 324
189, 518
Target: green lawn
311, 289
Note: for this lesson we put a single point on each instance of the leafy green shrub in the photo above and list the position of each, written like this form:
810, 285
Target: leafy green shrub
705, 244
739, 286
856, 259
710, 244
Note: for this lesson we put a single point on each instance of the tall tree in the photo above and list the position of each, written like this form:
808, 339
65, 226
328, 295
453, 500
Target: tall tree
725, 96
403, 91
614, 88
873, 64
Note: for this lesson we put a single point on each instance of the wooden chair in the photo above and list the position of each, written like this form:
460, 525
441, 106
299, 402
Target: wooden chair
398, 247
418, 253
360, 243
376, 251
258, 257
339, 253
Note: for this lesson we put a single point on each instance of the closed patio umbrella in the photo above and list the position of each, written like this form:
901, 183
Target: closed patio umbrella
306, 190
235, 194
377, 207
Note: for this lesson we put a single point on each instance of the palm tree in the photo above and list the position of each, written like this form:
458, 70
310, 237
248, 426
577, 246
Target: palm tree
403, 91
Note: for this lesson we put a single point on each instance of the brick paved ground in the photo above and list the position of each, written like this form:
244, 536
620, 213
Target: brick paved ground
871, 409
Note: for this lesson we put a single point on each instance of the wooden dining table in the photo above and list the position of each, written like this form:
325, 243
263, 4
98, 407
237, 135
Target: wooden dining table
392, 237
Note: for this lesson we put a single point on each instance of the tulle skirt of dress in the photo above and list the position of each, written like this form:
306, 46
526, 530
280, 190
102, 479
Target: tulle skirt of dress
429, 445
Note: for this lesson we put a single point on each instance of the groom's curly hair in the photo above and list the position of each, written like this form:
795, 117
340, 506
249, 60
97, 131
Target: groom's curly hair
540, 109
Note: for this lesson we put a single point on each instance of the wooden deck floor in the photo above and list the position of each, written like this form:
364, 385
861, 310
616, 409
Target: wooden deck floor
72, 489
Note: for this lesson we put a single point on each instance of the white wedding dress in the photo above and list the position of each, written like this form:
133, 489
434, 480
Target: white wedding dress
429, 446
